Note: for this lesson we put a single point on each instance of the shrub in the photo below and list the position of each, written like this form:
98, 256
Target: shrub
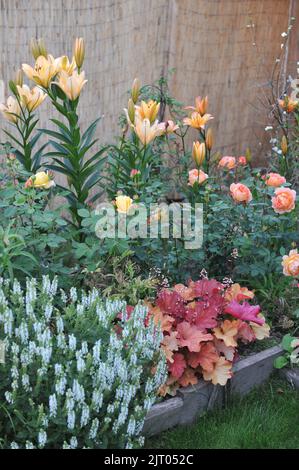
203, 324
77, 371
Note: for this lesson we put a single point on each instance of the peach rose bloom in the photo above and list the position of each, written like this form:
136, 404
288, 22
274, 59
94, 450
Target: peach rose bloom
275, 180
290, 264
284, 200
227, 162
240, 192
195, 175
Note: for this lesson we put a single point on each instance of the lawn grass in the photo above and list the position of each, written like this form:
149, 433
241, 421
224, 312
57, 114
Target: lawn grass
268, 418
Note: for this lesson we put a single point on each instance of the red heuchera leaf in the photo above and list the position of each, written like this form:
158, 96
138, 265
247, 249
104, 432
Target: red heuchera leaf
245, 333
245, 311
206, 287
191, 336
172, 303
204, 313
188, 378
206, 357
177, 367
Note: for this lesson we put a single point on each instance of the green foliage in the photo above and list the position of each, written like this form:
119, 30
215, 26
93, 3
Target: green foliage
25, 142
290, 345
70, 153
37, 239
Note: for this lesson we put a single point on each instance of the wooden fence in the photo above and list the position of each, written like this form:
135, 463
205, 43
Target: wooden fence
223, 48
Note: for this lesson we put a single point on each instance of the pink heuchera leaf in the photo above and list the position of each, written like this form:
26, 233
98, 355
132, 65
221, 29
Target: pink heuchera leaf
205, 358
191, 336
172, 303
245, 311
177, 367
228, 351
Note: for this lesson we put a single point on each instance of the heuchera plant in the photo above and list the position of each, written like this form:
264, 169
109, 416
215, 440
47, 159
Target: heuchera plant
203, 323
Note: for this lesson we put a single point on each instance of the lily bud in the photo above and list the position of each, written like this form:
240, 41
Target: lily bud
38, 48
248, 155
209, 139
79, 52
198, 153
131, 110
284, 145
42, 48
19, 78
135, 90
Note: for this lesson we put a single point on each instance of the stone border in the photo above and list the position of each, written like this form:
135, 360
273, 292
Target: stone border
193, 401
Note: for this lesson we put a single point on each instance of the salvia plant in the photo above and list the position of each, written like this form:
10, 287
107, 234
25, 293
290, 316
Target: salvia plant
76, 372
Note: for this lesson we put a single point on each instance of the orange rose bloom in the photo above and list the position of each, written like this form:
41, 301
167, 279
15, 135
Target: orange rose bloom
275, 180
195, 175
284, 200
227, 162
290, 264
240, 192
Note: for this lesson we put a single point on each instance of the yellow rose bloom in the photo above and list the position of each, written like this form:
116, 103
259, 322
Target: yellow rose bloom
31, 99
123, 203
40, 180
71, 84
11, 110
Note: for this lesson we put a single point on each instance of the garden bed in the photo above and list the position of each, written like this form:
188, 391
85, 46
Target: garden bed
193, 401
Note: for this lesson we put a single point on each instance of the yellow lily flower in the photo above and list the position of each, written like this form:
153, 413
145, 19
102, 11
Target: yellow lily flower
11, 110
64, 65
201, 105
43, 72
71, 85
148, 110
40, 180
197, 121
31, 99
145, 132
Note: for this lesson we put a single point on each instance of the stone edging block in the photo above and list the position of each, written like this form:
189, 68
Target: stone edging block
193, 401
